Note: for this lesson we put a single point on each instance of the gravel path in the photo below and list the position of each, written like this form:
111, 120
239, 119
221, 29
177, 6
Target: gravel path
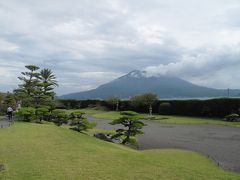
220, 143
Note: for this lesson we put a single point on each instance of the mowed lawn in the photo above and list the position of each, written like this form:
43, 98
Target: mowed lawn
111, 115
45, 151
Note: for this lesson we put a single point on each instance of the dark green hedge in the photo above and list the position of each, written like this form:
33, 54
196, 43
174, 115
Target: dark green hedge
206, 108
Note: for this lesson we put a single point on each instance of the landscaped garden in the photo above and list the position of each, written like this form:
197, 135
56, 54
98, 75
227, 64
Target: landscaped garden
45, 151
49, 140
111, 115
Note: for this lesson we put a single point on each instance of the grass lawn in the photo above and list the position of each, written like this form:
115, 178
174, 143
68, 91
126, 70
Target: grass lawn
86, 110
45, 151
194, 120
111, 115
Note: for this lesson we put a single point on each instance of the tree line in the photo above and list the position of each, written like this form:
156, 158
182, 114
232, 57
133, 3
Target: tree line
38, 103
218, 108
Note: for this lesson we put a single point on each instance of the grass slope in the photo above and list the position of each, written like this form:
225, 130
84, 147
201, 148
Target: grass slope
34, 151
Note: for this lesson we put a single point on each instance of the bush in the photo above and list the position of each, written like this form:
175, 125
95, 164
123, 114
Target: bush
132, 127
59, 117
232, 118
207, 108
42, 113
80, 122
165, 108
26, 114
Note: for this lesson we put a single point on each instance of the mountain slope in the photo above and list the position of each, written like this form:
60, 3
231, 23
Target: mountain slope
137, 82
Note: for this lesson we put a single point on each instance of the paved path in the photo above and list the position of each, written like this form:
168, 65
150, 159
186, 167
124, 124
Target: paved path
4, 122
221, 143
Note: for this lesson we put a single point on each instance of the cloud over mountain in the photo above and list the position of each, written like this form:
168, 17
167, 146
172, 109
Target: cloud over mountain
87, 44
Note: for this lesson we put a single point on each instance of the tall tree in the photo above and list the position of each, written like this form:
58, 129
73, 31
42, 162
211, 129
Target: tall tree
29, 79
28, 91
114, 102
147, 99
48, 81
37, 87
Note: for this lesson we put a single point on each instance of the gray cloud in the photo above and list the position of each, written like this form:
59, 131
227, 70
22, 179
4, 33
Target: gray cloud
87, 44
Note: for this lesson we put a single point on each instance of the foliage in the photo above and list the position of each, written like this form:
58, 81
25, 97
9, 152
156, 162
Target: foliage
2, 109
36, 88
232, 118
76, 104
80, 122
9, 100
112, 115
6, 100
42, 113
48, 82
147, 99
29, 91
129, 120
26, 114
217, 108
59, 117
36, 91
114, 102
165, 108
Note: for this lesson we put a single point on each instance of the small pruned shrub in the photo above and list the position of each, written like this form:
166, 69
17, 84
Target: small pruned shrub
132, 127
26, 114
59, 117
79, 122
232, 118
42, 113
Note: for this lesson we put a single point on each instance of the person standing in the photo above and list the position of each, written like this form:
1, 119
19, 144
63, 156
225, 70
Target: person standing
9, 113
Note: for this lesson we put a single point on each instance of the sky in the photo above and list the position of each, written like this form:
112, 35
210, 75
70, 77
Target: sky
88, 43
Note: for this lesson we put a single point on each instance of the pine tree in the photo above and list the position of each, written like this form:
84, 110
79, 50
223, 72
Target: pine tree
80, 122
130, 120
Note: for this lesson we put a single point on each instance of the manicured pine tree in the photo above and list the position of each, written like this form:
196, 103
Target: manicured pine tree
133, 126
80, 122
29, 90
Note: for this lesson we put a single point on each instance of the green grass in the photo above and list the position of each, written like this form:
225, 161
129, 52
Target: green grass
45, 151
93, 131
86, 110
194, 120
111, 115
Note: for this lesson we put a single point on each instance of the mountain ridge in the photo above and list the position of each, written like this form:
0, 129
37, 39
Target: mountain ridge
138, 82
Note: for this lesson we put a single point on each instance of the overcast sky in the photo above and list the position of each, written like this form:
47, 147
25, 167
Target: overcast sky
88, 43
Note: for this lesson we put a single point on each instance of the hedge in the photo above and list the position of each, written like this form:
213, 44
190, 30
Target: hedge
206, 108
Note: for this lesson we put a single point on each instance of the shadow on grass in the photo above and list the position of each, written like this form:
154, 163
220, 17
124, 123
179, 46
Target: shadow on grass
2, 167
76, 129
